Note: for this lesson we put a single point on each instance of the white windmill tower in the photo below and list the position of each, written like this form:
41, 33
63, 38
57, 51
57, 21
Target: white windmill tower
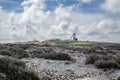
73, 34
73, 37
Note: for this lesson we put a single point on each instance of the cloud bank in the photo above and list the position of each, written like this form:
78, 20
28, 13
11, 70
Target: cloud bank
36, 23
112, 6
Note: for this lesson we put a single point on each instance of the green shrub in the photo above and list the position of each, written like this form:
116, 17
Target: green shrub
92, 59
14, 52
17, 52
107, 57
118, 78
5, 52
117, 57
107, 64
25, 46
2, 46
56, 56
104, 61
16, 70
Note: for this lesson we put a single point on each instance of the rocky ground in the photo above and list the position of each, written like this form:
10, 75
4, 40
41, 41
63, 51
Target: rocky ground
71, 70
66, 62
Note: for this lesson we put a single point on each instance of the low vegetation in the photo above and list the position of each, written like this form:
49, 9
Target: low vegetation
104, 61
78, 43
56, 56
118, 78
91, 59
103, 57
107, 64
19, 51
13, 51
13, 69
11, 66
2, 46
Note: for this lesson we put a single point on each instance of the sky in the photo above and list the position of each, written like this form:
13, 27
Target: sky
91, 20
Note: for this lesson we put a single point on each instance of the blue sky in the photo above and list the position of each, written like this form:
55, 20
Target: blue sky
24, 20
94, 6
11, 5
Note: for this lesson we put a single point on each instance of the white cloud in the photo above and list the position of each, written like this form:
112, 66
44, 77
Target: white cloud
4, 15
105, 30
63, 30
63, 13
112, 6
35, 23
85, 1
